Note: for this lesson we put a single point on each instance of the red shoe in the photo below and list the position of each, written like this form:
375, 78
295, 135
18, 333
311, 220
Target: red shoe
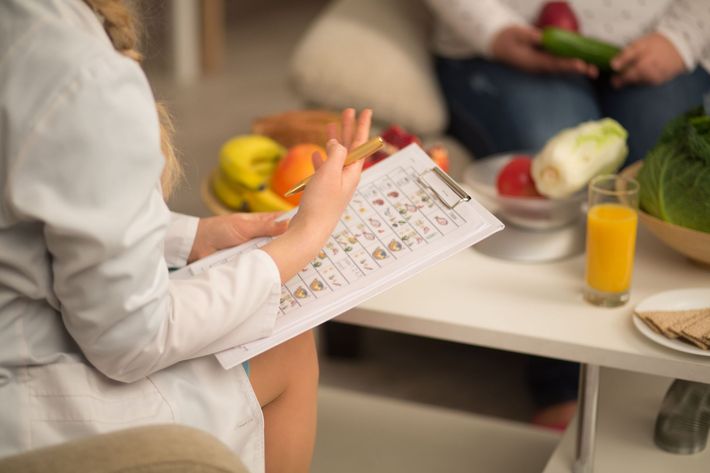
556, 417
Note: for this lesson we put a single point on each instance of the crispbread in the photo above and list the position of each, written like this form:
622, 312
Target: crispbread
663, 321
648, 322
678, 327
697, 331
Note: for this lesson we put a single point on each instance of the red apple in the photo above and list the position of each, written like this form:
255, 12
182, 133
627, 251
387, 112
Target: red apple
515, 179
396, 136
375, 158
558, 14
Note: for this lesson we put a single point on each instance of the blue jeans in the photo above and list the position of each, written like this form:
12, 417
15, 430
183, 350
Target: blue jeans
495, 108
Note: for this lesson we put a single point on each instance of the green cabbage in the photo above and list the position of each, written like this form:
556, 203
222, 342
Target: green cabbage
675, 176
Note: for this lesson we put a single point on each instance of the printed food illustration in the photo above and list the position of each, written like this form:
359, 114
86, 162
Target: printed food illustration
374, 235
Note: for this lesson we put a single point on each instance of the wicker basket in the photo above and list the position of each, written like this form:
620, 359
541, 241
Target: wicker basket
296, 127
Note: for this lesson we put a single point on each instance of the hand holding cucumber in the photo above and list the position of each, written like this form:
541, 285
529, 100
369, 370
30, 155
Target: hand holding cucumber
520, 46
651, 59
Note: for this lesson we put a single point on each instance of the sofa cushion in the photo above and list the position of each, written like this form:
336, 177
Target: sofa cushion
372, 53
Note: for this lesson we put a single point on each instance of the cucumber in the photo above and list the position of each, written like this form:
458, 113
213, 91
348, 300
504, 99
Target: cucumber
569, 44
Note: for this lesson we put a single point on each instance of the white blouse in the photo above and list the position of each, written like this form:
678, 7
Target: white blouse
86, 304
466, 28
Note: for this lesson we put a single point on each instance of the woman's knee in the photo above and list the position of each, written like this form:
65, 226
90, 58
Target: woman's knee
289, 365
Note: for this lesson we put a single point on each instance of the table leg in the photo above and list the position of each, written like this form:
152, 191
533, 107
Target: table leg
586, 418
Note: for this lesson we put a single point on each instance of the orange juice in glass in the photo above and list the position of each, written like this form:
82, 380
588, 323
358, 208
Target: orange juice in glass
611, 239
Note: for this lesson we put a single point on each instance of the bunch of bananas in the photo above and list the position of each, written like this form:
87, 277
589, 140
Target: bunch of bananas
246, 164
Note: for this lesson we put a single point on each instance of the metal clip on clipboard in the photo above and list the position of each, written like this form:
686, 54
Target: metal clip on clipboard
448, 191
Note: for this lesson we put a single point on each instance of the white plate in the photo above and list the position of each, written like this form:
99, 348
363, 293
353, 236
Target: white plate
678, 299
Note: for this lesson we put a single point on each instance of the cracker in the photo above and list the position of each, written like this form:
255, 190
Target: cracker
664, 320
647, 321
696, 332
678, 327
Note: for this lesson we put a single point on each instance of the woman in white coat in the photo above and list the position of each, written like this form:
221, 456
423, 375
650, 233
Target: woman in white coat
93, 335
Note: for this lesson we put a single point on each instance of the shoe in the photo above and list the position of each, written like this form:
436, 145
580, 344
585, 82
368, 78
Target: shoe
556, 417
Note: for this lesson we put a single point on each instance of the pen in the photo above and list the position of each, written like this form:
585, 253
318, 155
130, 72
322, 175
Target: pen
361, 152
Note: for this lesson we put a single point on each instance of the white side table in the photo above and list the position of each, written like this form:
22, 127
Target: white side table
538, 309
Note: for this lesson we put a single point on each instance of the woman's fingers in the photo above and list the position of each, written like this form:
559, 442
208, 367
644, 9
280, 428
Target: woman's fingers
274, 228
317, 160
351, 176
627, 57
362, 133
336, 155
348, 119
530, 35
630, 75
350, 133
332, 131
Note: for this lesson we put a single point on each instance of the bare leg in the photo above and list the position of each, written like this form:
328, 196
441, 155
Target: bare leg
285, 380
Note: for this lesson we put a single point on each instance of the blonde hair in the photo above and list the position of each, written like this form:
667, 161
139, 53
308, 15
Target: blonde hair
122, 29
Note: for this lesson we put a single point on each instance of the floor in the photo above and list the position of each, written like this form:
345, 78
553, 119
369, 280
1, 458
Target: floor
254, 83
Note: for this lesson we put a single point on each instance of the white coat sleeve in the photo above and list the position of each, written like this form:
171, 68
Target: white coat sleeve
179, 237
476, 22
686, 23
88, 173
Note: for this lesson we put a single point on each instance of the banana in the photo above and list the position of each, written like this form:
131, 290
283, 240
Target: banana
248, 161
240, 199
234, 199
266, 201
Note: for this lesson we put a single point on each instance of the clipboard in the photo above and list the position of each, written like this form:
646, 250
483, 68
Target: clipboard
405, 216
447, 190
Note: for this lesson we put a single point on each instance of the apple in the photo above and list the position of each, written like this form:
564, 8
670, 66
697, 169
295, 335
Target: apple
375, 158
440, 155
396, 136
515, 179
295, 166
558, 14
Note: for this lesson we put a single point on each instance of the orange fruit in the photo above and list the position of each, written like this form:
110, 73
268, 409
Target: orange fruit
293, 168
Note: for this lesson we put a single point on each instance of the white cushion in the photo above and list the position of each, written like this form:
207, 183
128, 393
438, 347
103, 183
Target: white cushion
372, 53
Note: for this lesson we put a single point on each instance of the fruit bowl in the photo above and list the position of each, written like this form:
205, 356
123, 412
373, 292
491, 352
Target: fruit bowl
526, 212
691, 243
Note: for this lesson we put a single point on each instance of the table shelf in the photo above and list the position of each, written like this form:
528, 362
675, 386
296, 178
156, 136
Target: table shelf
628, 405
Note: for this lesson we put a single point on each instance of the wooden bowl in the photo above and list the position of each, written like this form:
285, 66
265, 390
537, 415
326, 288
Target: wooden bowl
296, 127
691, 243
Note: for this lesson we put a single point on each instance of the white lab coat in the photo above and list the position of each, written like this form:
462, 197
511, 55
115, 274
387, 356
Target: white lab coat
93, 335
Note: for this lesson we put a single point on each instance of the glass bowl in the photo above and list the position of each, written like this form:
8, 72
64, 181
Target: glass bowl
526, 212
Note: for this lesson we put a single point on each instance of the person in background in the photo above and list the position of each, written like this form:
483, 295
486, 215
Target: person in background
94, 336
505, 94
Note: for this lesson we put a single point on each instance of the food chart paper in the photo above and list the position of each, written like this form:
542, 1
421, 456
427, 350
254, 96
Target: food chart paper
393, 228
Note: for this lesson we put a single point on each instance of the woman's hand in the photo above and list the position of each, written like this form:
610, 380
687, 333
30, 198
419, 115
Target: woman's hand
651, 59
328, 193
332, 187
226, 231
519, 46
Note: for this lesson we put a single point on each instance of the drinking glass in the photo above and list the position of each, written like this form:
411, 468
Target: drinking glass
611, 239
